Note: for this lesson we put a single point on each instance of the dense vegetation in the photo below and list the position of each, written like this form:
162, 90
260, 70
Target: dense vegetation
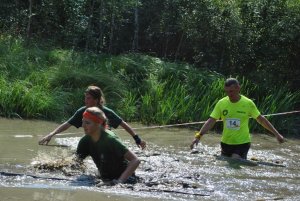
158, 61
258, 39
49, 84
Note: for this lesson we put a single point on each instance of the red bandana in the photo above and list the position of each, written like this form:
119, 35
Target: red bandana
93, 117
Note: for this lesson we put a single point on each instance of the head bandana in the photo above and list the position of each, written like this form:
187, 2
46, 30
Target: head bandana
93, 117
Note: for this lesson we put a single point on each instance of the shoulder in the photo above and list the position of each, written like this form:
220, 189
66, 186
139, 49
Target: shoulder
85, 139
246, 99
224, 100
110, 135
250, 104
75, 120
254, 112
112, 116
115, 142
111, 138
82, 109
107, 110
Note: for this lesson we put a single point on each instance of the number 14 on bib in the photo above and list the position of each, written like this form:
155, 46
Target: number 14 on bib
233, 124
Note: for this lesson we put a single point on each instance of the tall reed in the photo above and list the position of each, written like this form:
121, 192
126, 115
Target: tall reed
21, 99
47, 83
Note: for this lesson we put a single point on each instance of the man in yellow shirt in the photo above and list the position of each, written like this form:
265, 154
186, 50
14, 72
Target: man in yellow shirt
235, 111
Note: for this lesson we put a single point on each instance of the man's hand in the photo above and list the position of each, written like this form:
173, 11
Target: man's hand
195, 141
198, 136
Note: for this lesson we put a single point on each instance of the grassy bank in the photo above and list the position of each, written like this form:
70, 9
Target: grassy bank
45, 83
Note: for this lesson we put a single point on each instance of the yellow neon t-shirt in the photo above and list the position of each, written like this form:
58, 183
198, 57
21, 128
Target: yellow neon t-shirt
235, 118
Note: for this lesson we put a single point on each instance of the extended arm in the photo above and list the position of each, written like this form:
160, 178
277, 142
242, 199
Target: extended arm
267, 125
132, 165
59, 129
205, 128
138, 141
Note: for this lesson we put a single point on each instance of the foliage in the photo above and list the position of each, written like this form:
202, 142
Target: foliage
23, 100
140, 88
257, 39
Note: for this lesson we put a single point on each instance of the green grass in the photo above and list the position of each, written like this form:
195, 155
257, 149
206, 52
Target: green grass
21, 99
44, 83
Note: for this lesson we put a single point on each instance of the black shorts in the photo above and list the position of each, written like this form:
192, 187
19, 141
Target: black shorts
240, 149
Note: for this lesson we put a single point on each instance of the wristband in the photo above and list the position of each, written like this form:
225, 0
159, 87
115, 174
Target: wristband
137, 139
198, 135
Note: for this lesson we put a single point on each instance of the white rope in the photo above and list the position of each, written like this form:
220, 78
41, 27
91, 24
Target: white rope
282, 113
202, 122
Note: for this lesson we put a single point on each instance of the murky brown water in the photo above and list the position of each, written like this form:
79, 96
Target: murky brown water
168, 170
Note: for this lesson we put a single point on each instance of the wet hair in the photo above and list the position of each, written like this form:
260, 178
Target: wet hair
98, 112
96, 93
231, 81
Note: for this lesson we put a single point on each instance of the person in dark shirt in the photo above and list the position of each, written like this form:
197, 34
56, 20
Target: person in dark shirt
94, 97
113, 159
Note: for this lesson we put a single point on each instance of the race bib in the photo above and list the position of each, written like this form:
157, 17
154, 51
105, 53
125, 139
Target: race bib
233, 124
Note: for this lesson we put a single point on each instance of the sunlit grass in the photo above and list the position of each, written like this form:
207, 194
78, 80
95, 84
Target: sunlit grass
50, 83
21, 99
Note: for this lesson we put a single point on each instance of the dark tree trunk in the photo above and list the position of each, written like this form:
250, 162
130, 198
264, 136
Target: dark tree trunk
135, 42
89, 28
28, 31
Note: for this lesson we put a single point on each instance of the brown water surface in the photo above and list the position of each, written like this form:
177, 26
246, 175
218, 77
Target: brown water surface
168, 170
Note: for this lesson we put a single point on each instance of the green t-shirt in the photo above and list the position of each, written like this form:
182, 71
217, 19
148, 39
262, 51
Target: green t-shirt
113, 119
107, 153
235, 118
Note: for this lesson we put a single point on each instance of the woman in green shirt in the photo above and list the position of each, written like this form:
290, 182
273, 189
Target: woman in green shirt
112, 158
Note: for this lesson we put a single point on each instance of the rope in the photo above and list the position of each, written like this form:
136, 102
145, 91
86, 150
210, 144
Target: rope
167, 126
202, 122
282, 113
191, 123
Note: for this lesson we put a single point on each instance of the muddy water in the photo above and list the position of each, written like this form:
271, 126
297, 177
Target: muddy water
168, 170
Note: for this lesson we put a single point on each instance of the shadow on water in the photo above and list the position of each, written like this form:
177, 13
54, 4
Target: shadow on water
169, 170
